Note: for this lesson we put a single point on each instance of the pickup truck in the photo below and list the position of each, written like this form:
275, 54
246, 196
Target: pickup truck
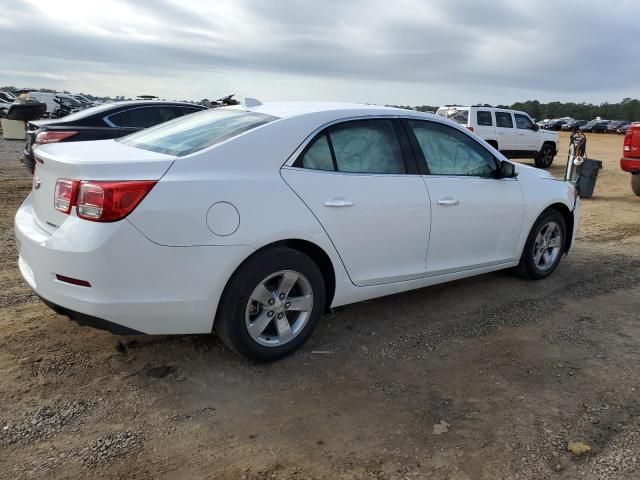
511, 132
630, 161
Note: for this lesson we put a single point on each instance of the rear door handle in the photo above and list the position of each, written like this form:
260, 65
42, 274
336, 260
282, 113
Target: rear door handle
448, 202
338, 203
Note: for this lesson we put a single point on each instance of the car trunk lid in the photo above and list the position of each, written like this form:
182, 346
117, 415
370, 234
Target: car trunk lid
97, 160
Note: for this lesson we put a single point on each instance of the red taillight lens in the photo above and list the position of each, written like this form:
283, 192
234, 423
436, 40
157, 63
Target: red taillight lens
110, 201
65, 194
628, 138
470, 129
54, 136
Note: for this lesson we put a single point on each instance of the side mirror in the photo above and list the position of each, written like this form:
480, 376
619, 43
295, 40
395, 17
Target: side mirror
507, 170
535, 127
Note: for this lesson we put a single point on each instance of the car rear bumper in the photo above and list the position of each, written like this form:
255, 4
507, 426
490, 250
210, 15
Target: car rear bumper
630, 164
135, 285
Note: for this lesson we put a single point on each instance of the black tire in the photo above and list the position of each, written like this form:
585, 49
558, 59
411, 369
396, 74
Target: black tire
527, 268
635, 184
230, 323
545, 156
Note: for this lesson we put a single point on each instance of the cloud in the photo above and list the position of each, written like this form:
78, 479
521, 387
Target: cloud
428, 51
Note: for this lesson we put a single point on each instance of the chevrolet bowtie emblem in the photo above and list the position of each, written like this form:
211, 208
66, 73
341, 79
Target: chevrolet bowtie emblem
36, 183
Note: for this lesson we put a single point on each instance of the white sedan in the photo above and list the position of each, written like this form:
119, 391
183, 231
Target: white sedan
254, 221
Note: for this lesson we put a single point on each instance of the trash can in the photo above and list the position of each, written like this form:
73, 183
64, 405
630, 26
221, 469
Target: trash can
13, 129
587, 177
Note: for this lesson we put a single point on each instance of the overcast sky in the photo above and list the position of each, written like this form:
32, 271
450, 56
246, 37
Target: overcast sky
387, 52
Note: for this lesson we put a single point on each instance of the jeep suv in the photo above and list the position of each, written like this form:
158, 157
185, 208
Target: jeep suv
630, 161
512, 132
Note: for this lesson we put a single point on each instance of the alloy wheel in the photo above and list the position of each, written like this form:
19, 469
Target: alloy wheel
279, 308
547, 246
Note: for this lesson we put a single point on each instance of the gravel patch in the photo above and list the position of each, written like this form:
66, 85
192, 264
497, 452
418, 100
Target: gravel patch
42, 423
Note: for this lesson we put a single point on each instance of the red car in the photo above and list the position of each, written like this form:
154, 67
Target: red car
630, 162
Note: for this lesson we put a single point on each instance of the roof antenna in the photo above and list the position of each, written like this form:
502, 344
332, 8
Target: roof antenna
251, 102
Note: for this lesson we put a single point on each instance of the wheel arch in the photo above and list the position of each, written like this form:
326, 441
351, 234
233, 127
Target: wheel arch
310, 249
569, 220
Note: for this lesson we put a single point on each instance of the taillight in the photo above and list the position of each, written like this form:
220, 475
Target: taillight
65, 194
628, 140
54, 136
110, 201
470, 129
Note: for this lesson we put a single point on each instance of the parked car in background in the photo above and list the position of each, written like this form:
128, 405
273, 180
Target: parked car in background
573, 125
630, 161
557, 123
623, 130
4, 107
598, 124
106, 121
601, 126
7, 96
511, 132
269, 206
615, 125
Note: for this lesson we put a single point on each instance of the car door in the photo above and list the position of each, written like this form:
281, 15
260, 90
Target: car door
476, 217
527, 138
357, 179
505, 131
485, 128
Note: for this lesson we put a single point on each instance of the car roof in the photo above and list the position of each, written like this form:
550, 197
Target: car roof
294, 109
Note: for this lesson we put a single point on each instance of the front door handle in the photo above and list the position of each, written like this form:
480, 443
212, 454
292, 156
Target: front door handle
338, 203
448, 202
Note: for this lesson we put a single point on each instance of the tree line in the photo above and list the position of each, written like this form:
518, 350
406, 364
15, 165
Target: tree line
627, 109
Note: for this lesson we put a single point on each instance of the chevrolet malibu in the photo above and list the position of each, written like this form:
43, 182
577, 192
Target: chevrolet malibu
253, 221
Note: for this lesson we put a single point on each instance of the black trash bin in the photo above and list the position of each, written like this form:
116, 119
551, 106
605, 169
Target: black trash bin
587, 177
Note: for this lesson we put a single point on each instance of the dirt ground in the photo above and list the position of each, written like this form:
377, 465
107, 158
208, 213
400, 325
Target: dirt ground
514, 369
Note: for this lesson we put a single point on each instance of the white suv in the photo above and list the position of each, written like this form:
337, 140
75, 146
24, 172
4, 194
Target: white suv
511, 132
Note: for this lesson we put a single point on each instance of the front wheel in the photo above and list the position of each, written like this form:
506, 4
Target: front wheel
545, 156
635, 184
271, 304
544, 247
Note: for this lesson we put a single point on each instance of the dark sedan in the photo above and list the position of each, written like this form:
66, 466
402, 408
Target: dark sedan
573, 125
103, 122
596, 126
615, 125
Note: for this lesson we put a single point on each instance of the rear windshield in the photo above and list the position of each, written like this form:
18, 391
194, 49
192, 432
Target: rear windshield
194, 132
457, 115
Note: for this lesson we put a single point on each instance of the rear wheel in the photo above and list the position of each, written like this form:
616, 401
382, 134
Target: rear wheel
271, 305
635, 184
544, 247
545, 156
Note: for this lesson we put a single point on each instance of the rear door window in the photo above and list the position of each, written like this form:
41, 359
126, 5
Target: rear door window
357, 146
504, 120
484, 118
367, 146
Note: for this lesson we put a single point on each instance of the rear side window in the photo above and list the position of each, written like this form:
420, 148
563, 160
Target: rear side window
523, 122
484, 118
144, 117
358, 146
504, 120
318, 155
191, 133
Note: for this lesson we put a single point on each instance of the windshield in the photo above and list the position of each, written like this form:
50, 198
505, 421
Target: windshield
457, 115
197, 131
